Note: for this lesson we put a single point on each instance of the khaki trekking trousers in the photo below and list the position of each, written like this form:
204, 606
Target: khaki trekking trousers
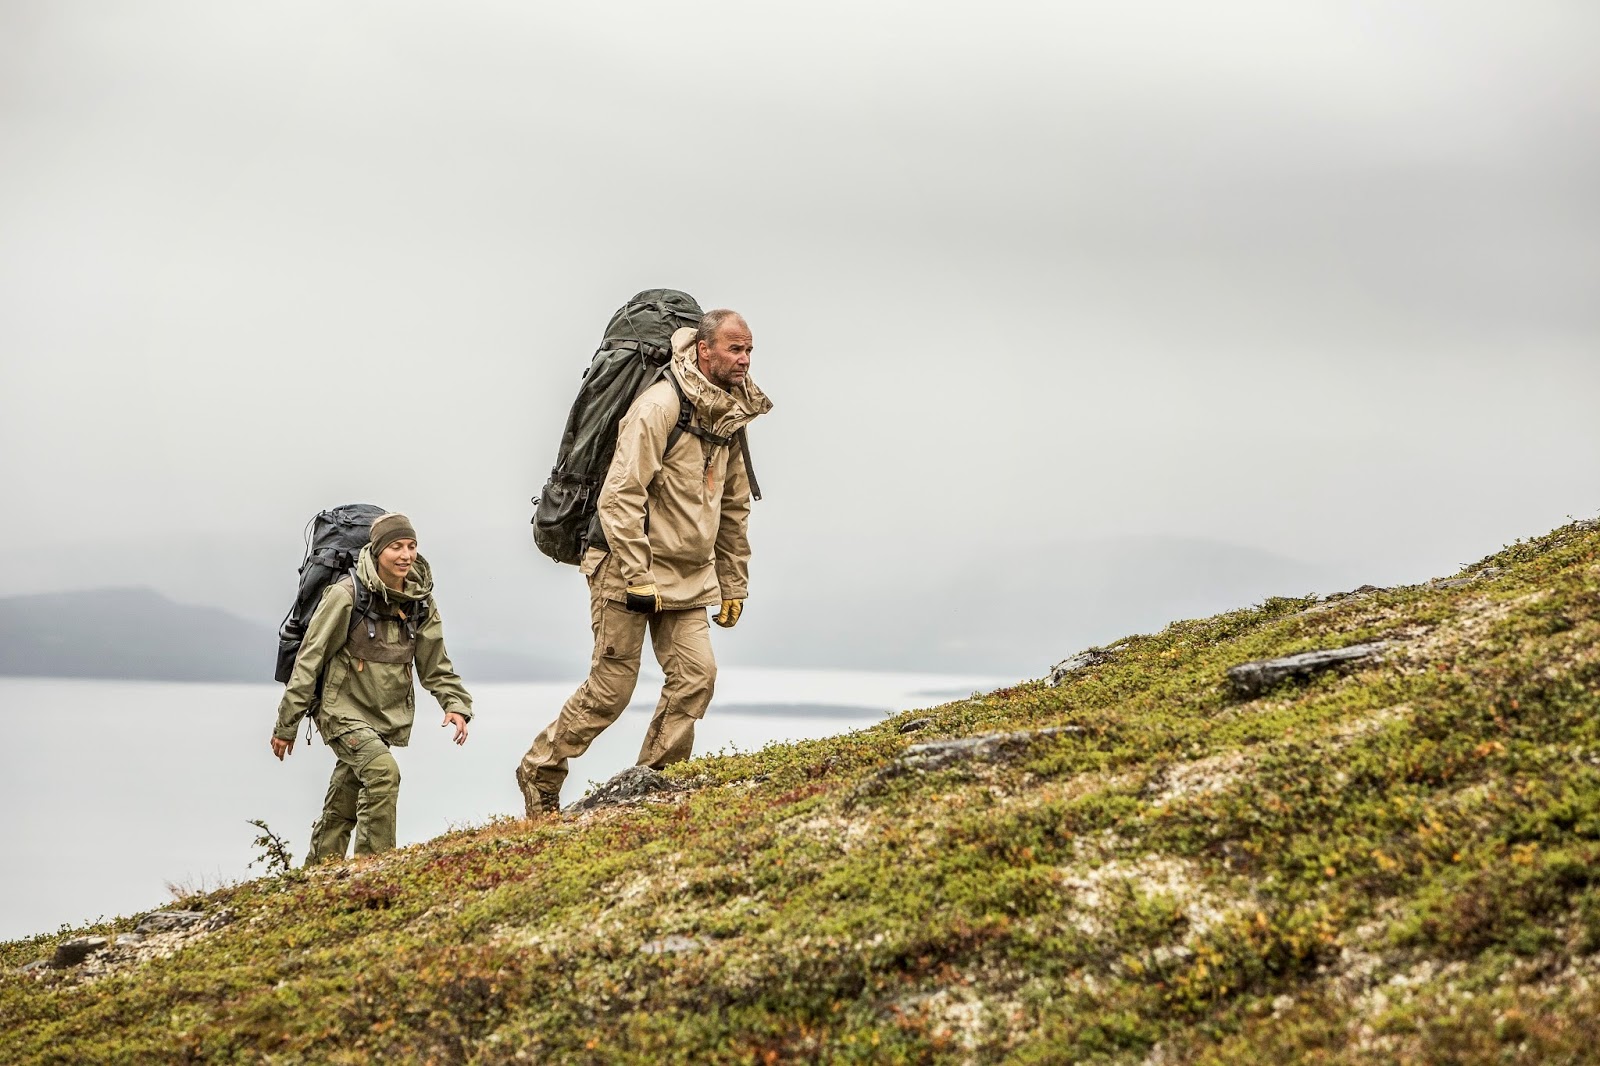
682, 643
362, 796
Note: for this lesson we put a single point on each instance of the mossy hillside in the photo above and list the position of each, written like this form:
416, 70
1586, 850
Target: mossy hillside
1400, 863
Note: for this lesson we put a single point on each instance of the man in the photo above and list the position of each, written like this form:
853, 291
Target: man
355, 681
675, 525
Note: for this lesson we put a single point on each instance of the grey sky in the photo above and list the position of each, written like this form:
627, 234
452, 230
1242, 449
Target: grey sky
1316, 279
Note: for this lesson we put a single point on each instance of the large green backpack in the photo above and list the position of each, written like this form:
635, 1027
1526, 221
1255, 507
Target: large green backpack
634, 354
334, 539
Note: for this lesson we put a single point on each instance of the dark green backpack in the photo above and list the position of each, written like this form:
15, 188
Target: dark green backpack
634, 354
334, 539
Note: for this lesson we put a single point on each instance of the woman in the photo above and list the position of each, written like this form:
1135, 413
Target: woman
353, 676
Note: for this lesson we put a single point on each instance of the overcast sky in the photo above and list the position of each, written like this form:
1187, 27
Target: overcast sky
1315, 279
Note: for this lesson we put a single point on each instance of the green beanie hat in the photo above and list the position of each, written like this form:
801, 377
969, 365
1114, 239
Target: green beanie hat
388, 528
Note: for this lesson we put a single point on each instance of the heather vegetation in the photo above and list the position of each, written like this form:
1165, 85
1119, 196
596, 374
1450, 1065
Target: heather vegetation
1396, 862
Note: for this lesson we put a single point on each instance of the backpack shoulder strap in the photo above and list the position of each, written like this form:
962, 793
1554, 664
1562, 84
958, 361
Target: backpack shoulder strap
685, 412
359, 593
749, 470
686, 415
357, 611
360, 602
416, 613
413, 613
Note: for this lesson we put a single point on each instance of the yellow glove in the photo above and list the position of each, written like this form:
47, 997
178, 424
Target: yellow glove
731, 610
643, 599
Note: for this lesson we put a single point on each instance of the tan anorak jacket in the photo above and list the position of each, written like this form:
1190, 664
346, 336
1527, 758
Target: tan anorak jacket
377, 696
679, 522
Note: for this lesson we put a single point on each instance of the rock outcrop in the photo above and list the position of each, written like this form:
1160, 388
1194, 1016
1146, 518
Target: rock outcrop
632, 785
935, 755
157, 935
1253, 678
1084, 660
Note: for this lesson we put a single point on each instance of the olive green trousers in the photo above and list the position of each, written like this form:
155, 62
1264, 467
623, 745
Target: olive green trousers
682, 643
363, 794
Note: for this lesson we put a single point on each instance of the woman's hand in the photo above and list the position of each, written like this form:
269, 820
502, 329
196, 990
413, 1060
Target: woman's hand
452, 718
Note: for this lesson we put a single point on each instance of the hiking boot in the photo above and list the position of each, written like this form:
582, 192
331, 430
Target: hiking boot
537, 799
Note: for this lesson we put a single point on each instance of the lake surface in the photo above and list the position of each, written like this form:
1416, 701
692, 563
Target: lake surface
114, 789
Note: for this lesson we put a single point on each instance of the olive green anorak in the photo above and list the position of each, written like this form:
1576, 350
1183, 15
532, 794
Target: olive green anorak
369, 695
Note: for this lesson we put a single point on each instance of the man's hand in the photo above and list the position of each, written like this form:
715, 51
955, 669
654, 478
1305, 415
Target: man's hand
728, 617
643, 599
280, 748
452, 718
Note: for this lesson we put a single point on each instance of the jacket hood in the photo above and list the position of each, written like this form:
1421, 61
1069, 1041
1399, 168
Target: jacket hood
721, 411
419, 582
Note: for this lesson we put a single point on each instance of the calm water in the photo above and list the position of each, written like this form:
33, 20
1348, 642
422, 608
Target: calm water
113, 789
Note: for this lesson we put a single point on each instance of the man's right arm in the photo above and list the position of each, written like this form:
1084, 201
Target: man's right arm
328, 630
641, 438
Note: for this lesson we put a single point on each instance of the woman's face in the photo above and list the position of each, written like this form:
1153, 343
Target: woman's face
395, 561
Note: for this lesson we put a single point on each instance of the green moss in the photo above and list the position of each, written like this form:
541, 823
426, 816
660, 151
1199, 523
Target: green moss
1390, 864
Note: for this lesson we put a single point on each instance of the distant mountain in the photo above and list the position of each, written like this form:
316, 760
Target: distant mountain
129, 633
139, 634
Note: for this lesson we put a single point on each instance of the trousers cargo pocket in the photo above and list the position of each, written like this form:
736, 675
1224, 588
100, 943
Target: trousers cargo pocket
358, 747
621, 632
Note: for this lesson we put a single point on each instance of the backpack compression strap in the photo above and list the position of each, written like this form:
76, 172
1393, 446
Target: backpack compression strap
655, 353
414, 613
